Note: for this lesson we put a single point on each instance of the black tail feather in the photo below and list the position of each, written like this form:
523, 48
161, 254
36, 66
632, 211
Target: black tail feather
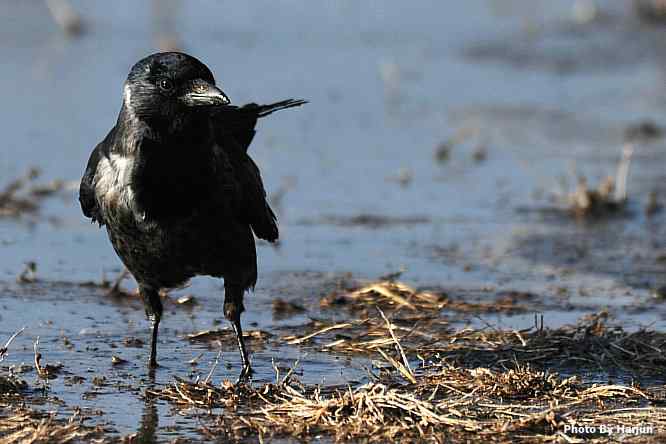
239, 121
265, 110
252, 110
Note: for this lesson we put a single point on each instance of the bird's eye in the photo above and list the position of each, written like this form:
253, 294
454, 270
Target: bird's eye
165, 84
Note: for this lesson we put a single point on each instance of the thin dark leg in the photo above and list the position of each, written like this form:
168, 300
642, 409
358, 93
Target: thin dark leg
153, 344
153, 305
233, 307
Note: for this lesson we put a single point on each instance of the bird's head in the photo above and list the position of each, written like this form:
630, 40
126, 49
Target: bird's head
168, 87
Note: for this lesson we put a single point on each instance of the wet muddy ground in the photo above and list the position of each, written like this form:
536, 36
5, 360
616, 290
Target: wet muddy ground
434, 143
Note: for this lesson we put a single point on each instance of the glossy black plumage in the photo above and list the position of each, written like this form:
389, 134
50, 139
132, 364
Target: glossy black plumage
174, 185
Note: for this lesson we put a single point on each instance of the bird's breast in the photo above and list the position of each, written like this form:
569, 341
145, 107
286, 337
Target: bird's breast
172, 183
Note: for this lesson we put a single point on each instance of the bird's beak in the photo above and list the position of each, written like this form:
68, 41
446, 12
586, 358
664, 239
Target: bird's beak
203, 93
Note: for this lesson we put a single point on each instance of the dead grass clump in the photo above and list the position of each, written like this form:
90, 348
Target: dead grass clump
203, 394
370, 411
517, 405
25, 426
23, 196
585, 201
371, 335
609, 198
45, 371
282, 307
591, 344
465, 385
378, 412
11, 385
520, 383
390, 294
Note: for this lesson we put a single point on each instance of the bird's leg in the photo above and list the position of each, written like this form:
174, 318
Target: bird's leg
153, 305
233, 307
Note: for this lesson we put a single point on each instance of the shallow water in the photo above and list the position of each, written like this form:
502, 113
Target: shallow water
386, 86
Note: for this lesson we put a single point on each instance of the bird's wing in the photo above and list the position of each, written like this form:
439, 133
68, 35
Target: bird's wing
234, 130
250, 202
87, 198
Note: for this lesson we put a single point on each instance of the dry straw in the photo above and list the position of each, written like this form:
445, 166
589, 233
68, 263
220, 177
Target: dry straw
439, 384
25, 426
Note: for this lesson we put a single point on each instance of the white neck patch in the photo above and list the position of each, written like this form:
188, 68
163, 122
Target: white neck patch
127, 100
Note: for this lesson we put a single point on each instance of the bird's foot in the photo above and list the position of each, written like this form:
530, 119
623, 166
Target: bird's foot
245, 374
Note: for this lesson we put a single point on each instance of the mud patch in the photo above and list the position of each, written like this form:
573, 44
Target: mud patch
373, 221
609, 41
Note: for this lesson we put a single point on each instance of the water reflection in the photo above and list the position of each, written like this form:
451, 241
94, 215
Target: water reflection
149, 423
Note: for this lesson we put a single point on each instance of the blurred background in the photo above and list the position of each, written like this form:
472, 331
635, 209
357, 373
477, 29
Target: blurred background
463, 144
431, 129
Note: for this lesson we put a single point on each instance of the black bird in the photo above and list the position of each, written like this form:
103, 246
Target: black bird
174, 185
